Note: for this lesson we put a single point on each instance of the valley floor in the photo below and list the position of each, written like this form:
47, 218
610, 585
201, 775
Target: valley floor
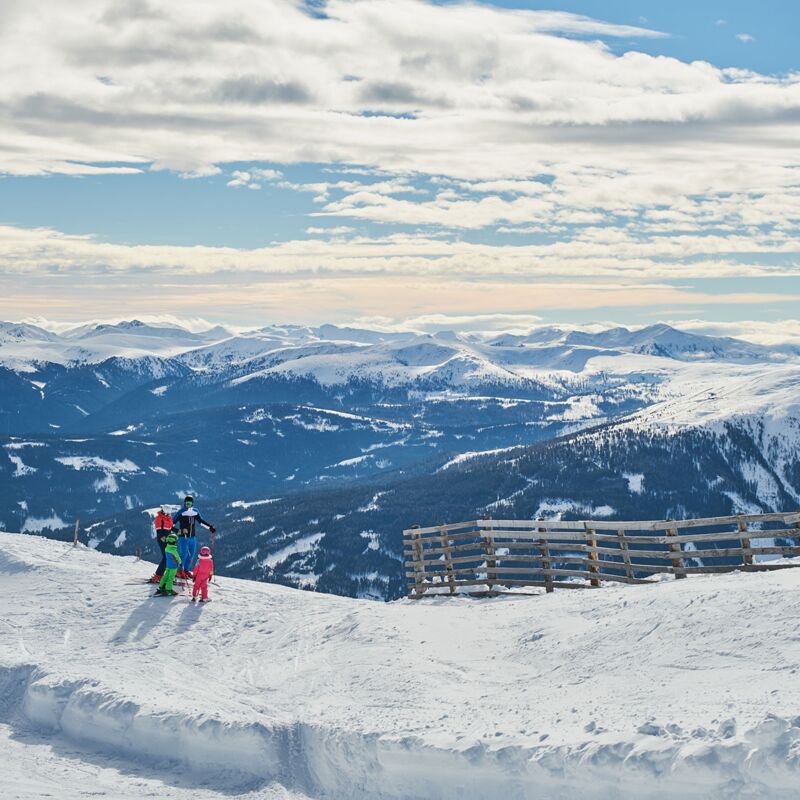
683, 688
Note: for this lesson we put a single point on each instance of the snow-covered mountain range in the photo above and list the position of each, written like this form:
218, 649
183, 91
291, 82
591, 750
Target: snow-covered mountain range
354, 434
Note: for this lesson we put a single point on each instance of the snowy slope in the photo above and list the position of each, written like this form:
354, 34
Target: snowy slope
676, 689
717, 393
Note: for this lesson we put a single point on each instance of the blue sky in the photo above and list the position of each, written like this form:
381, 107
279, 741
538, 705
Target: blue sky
704, 31
384, 160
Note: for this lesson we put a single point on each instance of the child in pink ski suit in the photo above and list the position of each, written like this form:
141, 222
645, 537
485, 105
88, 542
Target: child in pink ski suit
202, 574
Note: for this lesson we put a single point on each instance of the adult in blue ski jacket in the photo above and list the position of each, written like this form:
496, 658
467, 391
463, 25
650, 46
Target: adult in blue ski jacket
185, 522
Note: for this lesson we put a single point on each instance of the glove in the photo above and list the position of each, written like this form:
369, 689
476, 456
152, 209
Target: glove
212, 529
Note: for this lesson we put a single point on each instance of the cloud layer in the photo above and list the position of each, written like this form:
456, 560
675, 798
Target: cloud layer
521, 131
460, 90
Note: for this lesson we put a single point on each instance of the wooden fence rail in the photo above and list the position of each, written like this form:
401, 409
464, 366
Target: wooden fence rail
480, 555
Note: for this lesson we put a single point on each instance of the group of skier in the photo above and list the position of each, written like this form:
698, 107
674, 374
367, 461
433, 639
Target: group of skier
176, 538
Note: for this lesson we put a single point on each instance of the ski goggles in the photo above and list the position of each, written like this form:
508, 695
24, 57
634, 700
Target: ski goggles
189, 503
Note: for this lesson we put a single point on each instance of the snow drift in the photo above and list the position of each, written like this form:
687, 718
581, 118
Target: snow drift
679, 688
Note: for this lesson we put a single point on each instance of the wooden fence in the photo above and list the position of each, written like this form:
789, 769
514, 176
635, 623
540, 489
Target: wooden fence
481, 555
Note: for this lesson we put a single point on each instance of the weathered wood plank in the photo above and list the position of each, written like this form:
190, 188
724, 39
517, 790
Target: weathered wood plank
488, 543
419, 569
501, 582
547, 564
765, 566
436, 528
632, 552
742, 527
593, 557
743, 552
626, 558
456, 548
448, 559
445, 573
604, 576
534, 524
481, 559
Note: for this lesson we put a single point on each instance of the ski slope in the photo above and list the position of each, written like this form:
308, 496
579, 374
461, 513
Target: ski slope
682, 688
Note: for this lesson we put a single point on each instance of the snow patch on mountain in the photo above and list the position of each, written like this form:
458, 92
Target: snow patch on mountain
252, 503
469, 456
635, 482
299, 545
20, 468
556, 508
22, 445
124, 465
39, 524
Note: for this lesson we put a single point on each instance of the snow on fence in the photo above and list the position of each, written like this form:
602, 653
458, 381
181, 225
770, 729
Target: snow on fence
480, 555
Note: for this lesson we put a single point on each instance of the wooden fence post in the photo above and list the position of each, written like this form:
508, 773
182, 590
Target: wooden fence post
590, 539
491, 562
675, 548
419, 565
626, 556
448, 557
75, 535
546, 563
747, 558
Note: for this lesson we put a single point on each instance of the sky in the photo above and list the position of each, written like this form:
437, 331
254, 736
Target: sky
376, 161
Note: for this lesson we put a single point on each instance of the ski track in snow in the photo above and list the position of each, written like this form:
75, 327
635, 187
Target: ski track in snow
682, 688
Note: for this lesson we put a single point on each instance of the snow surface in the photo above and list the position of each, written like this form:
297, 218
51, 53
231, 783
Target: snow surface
675, 689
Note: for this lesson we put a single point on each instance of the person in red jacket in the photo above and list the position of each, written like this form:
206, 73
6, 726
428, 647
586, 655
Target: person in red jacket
202, 574
163, 526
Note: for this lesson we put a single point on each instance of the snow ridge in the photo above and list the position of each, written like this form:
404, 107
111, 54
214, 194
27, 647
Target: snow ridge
325, 697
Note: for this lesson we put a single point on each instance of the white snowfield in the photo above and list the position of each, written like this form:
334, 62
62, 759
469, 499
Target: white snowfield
683, 689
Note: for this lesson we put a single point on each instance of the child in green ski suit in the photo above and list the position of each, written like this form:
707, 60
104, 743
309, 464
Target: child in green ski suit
173, 562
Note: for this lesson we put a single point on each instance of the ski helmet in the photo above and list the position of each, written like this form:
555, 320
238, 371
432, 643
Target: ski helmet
205, 551
172, 539
188, 500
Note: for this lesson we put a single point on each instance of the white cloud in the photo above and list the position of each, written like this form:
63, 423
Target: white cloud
241, 179
510, 323
266, 81
745, 37
339, 230
632, 165
205, 171
784, 331
593, 252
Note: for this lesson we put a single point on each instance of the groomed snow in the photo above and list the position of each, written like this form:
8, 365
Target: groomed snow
676, 689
